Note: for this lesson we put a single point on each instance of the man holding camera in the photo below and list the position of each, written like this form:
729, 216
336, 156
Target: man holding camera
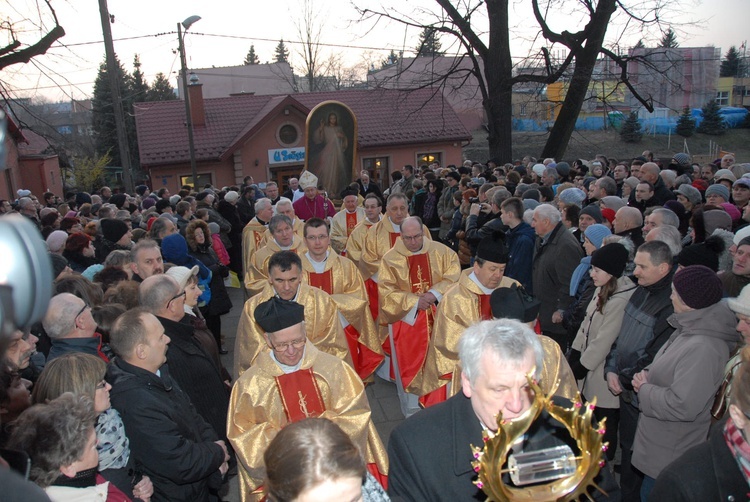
474, 232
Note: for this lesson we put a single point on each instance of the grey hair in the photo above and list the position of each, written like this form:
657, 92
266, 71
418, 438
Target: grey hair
549, 212
508, 340
608, 185
142, 244
551, 171
283, 201
277, 220
262, 204
668, 217
669, 235
117, 258
60, 318
155, 292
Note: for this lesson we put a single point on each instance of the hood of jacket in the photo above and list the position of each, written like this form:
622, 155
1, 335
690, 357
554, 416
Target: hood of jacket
716, 321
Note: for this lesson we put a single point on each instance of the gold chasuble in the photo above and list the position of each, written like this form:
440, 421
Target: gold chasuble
264, 400
356, 242
298, 226
342, 226
403, 277
252, 241
256, 279
464, 304
321, 323
343, 282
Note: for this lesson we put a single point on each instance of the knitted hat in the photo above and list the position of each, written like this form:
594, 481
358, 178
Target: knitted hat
588, 181
214, 228
593, 211
539, 169
572, 196
113, 229
148, 202
202, 195
277, 314
741, 234
231, 196
690, 193
118, 199
58, 264
182, 274
563, 168
56, 241
609, 215
698, 286
23, 193
706, 253
718, 189
732, 211
596, 234
175, 199
632, 182
83, 198
141, 189
682, 159
741, 304
612, 258
532, 193
701, 185
613, 202
492, 248
77, 242
530, 204
716, 218
162, 204
743, 182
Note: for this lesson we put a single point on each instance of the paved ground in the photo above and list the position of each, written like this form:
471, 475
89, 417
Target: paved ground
386, 413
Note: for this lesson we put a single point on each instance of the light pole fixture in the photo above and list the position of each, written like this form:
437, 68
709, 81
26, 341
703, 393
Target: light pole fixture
187, 23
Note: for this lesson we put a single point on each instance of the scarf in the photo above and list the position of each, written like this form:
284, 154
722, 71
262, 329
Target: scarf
82, 479
578, 274
114, 446
430, 207
738, 446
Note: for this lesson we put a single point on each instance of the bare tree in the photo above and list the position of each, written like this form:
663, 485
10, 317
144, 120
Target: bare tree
491, 64
309, 31
17, 51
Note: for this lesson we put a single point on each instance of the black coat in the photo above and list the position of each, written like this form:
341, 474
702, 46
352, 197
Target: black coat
197, 374
430, 455
169, 440
705, 472
220, 302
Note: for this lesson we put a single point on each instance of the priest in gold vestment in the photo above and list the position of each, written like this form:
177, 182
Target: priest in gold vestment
284, 206
254, 232
322, 315
283, 239
290, 381
414, 276
345, 221
339, 277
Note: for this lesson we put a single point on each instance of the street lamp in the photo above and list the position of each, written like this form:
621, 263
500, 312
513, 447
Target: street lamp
187, 23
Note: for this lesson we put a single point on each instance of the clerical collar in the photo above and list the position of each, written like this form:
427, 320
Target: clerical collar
475, 279
293, 299
286, 368
264, 223
397, 228
283, 248
318, 266
373, 222
350, 212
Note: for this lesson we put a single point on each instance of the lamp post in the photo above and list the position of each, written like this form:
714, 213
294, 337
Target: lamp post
187, 23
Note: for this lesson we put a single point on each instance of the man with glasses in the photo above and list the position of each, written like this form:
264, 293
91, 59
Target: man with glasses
290, 381
285, 282
71, 327
413, 276
190, 366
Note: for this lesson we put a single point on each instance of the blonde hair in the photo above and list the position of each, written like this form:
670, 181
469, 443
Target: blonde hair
75, 372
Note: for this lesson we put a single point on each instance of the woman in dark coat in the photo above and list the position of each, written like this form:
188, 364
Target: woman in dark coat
227, 208
79, 251
198, 238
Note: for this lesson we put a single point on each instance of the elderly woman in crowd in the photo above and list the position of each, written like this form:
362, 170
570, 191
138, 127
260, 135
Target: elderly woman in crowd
79, 251
676, 391
315, 461
83, 375
60, 440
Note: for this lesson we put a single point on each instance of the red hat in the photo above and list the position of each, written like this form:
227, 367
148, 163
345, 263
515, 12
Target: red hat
701, 185
609, 214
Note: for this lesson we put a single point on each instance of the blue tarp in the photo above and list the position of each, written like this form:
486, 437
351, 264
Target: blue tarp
733, 117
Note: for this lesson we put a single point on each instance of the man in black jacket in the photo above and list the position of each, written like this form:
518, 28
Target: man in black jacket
644, 330
193, 370
169, 440
495, 357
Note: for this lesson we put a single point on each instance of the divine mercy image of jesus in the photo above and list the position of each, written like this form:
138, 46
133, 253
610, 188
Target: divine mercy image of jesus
331, 145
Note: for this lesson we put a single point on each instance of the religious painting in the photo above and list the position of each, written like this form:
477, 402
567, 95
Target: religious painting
331, 131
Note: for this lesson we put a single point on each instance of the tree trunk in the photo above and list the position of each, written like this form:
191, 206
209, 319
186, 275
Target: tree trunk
585, 61
498, 73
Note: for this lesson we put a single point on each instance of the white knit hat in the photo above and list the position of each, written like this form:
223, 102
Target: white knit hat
741, 304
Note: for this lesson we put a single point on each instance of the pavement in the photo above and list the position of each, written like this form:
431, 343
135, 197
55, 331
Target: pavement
386, 412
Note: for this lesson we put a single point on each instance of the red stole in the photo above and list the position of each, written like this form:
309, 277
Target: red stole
351, 222
412, 341
300, 395
322, 281
393, 236
485, 310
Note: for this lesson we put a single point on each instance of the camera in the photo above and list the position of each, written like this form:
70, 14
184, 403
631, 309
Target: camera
474, 200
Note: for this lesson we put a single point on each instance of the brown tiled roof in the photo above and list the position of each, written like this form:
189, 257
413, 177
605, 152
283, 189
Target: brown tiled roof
386, 117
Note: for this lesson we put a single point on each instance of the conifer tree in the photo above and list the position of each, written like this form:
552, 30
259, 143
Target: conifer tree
429, 44
281, 53
669, 40
712, 122
252, 57
631, 129
686, 123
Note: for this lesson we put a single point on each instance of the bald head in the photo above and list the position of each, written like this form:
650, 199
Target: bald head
157, 293
68, 316
412, 234
650, 172
627, 218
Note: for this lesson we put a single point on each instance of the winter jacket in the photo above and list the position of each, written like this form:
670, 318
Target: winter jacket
521, 241
676, 401
445, 209
168, 438
644, 331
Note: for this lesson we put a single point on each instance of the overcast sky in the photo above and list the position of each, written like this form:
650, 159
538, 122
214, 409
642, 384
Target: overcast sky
227, 29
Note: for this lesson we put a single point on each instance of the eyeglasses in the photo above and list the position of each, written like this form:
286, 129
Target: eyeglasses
85, 306
316, 237
175, 297
411, 237
101, 385
281, 347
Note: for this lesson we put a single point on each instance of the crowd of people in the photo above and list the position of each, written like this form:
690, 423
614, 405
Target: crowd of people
624, 281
